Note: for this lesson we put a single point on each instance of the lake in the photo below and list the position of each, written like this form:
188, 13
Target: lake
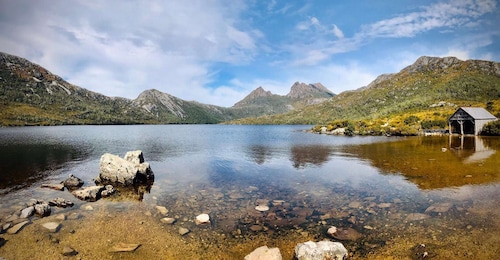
399, 197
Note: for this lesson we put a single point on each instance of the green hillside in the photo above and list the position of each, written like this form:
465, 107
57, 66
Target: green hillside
424, 93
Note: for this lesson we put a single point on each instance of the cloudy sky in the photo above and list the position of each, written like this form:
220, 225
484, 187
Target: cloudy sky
217, 51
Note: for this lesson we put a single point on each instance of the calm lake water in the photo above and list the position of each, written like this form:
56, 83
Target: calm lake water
391, 196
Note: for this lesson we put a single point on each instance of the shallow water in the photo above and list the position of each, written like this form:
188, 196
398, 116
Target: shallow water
396, 193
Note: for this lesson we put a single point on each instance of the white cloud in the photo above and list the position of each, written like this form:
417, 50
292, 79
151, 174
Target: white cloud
337, 32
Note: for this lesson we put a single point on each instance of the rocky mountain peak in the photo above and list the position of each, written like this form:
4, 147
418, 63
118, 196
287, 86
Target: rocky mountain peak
302, 90
426, 63
259, 92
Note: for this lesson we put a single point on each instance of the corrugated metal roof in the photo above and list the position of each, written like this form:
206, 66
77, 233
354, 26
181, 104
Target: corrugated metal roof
478, 113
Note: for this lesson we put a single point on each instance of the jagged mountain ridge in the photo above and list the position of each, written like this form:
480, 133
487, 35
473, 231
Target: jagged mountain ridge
31, 95
425, 85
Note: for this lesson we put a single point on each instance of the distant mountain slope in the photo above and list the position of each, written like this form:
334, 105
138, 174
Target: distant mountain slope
31, 95
429, 84
261, 102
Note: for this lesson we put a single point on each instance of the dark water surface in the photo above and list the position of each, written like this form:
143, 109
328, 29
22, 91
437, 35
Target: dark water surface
393, 194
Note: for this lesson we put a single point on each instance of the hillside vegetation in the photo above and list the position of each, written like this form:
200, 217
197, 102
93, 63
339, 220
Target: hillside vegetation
422, 95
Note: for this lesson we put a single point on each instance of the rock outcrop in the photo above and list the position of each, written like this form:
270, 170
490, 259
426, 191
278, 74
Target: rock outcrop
125, 171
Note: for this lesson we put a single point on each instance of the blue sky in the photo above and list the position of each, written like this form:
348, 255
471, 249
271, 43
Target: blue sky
218, 51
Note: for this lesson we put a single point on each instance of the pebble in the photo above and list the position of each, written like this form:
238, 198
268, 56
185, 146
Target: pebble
202, 219
162, 210
69, 251
183, 231
167, 220
262, 208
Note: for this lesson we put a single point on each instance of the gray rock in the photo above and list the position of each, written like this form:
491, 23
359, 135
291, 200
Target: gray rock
27, 212
60, 202
52, 226
108, 191
69, 251
266, 253
72, 182
124, 247
167, 220
17, 227
53, 186
128, 171
42, 209
91, 193
320, 250
183, 231
416, 217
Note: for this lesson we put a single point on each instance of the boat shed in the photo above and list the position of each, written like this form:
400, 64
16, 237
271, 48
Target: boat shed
469, 120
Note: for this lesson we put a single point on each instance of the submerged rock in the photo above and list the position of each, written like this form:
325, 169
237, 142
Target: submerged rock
202, 219
124, 247
69, 251
52, 226
416, 217
53, 186
183, 231
60, 202
320, 250
264, 253
344, 233
17, 227
91, 193
72, 182
262, 208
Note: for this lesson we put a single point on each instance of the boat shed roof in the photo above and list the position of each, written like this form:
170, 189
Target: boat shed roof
478, 113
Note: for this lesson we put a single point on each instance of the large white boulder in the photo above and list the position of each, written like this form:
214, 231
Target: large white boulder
125, 171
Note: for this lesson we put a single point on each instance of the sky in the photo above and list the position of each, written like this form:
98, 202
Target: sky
217, 51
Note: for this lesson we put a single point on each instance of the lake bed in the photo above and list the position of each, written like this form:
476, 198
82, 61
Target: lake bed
393, 197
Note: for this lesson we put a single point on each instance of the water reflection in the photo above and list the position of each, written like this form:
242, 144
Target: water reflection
471, 149
303, 156
23, 164
437, 162
259, 153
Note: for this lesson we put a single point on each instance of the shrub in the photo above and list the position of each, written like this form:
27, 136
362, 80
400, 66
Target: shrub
491, 128
411, 120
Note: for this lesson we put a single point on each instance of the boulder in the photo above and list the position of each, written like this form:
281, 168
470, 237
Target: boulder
27, 212
264, 253
69, 251
108, 191
72, 182
91, 193
128, 171
320, 250
42, 209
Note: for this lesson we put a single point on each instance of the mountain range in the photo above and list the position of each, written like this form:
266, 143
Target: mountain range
31, 95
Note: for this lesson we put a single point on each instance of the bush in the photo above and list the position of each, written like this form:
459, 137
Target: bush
491, 128
432, 124
411, 120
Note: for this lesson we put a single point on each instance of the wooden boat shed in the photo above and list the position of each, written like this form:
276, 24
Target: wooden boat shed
469, 120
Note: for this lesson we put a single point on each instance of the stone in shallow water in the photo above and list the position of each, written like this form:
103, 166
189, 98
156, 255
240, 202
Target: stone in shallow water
202, 219
262, 208
183, 231
416, 217
27, 212
16, 228
266, 253
69, 251
320, 250
344, 233
124, 247
162, 210
52, 226
439, 207
167, 220
53, 186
